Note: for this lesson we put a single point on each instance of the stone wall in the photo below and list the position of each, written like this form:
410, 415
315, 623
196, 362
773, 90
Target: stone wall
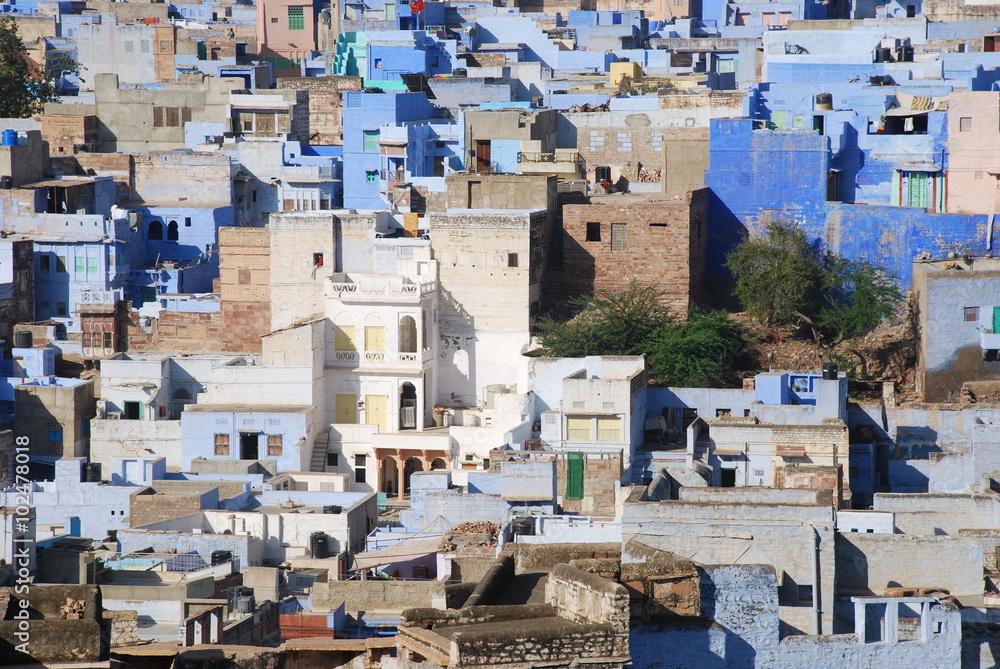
124, 627
545, 557
869, 563
588, 599
378, 595
601, 477
153, 508
659, 243
326, 116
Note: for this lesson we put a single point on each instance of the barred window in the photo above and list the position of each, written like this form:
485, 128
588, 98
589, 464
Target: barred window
222, 444
274, 444
618, 237
296, 18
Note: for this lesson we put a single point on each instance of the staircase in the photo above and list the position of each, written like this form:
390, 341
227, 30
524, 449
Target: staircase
318, 463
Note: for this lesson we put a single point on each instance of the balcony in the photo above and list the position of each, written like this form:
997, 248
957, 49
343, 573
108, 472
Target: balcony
379, 289
990, 340
380, 359
560, 162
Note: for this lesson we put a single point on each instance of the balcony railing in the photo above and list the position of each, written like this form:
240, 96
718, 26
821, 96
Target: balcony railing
532, 157
380, 290
990, 340
352, 358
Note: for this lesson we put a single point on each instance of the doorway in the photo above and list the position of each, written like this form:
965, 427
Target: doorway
412, 465
408, 407
249, 445
484, 161
727, 478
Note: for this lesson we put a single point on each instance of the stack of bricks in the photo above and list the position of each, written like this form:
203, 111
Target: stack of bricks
71, 610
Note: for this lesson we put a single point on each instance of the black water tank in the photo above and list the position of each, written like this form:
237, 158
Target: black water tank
332, 508
829, 371
602, 173
218, 557
246, 604
319, 545
23, 339
92, 472
524, 526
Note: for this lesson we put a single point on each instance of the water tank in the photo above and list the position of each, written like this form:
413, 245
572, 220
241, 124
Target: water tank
319, 545
92, 472
23, 339
602, 173
332, 508
8, 138
234, 593
219, 557
824, 101
245, 604
524, 526
459, 72
829, 371
6, 182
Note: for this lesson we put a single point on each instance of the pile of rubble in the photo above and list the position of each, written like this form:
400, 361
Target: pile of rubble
72, 609
472, 533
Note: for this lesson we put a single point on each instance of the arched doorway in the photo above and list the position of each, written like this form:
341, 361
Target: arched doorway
408, 407
390, 477
412, 465
438, 463
178, 400
407, 335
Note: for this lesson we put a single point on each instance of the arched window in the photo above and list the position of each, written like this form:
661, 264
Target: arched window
155, 230
172, 231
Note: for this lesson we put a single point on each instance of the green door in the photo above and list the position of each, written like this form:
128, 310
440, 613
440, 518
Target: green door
916, 195
996, 319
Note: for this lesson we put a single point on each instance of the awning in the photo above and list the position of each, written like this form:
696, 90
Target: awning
918, 167
728, 450
410, 549
912, 105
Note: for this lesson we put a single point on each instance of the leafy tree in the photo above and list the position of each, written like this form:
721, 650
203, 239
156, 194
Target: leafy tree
778, 276
859, 296
608, 323
698, 352
21, 93
781, 279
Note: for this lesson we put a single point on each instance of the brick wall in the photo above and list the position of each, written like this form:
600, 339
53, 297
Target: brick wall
245, 314
325, 105
146, 509
67, 135
599, 479
663, 245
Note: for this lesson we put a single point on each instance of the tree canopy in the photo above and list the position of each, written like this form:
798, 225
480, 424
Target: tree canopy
23, 92
698, 351
782, 279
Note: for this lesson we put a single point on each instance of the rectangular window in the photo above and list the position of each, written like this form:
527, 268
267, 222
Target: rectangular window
609, 429
144, 46
768, 18
371, 140
222, 444
164, 46
92, 267
344, 338
274, 445
371, 176
574, 475
43, 262
579, 429
173, 117
511, 260
971, 314
157, 117
618, 237
593, 232
296, 18
375, 339
360, 473
965, 124
81, 264
980, 175
129, 47
108, 340
61, 309
332, 459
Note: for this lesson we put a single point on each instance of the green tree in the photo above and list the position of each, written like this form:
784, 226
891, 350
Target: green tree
21, 93
608, 323
698, 352
858, 297
778, 276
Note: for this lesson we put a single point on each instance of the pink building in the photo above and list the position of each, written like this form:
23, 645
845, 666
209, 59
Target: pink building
973, 152
286, 34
